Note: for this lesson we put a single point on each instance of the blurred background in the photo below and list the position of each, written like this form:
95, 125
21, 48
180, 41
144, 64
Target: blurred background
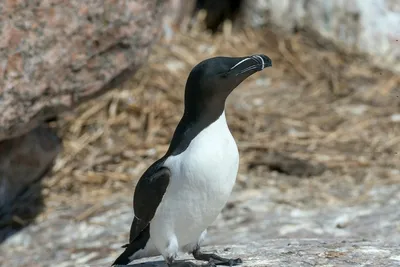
91, 92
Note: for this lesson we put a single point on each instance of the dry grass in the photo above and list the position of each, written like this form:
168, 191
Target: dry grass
314, 105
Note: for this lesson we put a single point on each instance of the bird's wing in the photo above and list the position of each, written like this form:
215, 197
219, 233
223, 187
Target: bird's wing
148, 194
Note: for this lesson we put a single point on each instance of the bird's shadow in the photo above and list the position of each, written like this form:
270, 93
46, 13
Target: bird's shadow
161, 263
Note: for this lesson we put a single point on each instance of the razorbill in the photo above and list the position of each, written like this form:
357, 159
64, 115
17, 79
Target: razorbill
183, 192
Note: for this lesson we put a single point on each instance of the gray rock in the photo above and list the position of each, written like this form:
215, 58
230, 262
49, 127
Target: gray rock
257, 222
370, 27
302, 252
255, 215
57, 54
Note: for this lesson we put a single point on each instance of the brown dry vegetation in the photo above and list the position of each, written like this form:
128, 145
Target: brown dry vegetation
315, 110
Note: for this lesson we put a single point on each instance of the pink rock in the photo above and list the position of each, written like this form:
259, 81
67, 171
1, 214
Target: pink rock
57, 54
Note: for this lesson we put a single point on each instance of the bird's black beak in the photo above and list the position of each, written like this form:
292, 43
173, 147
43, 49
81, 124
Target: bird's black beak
250, 64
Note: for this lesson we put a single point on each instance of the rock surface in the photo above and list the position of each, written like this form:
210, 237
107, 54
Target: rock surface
263, 214
370, 27
91, 235
57, 54
301, 252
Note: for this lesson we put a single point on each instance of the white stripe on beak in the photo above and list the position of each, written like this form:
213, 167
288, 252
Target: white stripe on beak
240, 62
262, 60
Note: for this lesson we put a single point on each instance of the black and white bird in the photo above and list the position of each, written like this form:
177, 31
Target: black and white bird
183, 192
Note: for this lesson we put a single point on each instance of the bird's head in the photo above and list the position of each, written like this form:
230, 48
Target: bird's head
212, 80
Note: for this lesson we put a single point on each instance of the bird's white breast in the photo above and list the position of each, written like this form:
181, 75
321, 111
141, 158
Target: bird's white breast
202, 178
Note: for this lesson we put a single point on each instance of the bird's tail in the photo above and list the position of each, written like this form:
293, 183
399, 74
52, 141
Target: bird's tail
134, 246
123, 259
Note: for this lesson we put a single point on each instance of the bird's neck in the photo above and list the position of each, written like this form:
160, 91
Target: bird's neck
194, 120
200, 108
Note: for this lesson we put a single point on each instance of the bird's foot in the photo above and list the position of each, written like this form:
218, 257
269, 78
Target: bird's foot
215, 259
